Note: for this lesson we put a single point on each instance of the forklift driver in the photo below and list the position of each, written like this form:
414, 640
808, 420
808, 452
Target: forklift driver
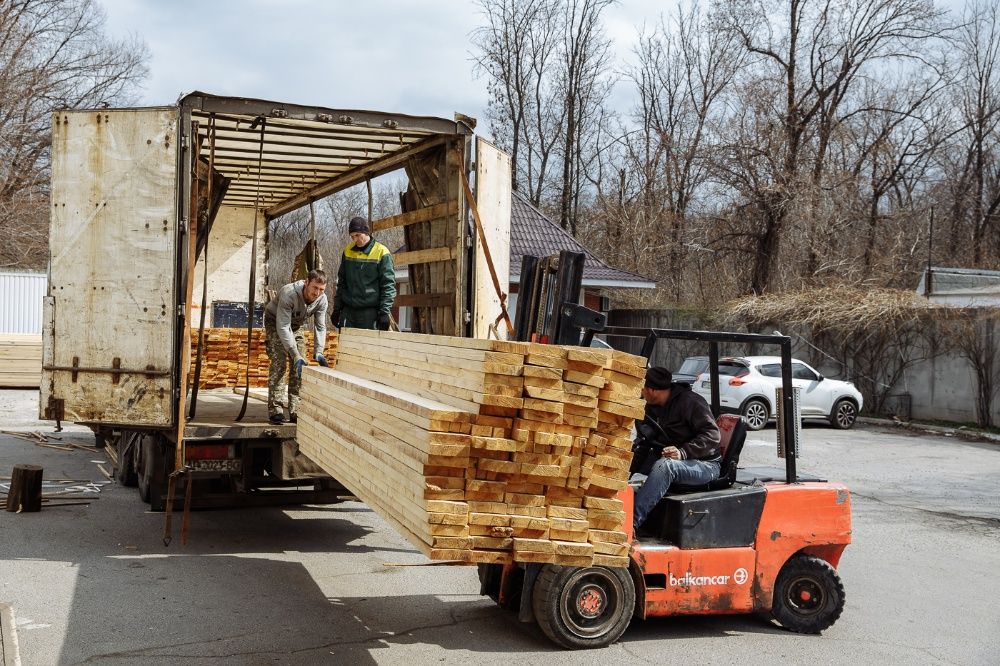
691, 455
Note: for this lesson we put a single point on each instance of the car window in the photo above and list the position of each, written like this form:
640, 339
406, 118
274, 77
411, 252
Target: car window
770, 369
731, 369
800, 371
693, 366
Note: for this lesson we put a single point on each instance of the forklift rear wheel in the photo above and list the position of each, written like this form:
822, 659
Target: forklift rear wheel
808, 595
756, 413
587, 607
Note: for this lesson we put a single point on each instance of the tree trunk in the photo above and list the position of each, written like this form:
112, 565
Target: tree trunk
25, 489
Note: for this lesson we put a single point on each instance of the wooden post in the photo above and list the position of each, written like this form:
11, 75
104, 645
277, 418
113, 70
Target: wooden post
25, 489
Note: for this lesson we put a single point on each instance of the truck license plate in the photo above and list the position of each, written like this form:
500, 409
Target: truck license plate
216, 465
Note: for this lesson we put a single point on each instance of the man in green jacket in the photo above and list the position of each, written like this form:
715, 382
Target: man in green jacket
366, 281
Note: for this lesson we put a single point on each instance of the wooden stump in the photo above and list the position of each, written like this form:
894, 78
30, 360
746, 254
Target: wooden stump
25, 489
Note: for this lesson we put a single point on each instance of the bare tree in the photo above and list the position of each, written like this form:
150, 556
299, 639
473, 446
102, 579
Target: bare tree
517, 49
681, 73
53, 54
548, 65
585, 60
806, 59
974, 190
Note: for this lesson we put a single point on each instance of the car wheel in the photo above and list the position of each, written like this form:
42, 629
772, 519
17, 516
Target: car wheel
756, 413
808, 595
844, 414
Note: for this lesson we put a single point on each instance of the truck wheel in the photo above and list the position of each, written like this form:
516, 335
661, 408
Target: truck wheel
844, 414
125, 447
808, 595
151, 484
588, 607
757, 413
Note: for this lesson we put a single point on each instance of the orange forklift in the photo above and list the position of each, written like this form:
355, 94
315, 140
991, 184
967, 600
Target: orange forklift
764, 541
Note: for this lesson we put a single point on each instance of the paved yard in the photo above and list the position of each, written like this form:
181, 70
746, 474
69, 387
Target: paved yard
318, 585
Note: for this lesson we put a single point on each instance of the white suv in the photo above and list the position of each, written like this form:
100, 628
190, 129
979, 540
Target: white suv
748, 384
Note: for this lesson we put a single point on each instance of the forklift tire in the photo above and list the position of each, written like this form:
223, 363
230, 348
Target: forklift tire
808, 595
125, 447
583, 607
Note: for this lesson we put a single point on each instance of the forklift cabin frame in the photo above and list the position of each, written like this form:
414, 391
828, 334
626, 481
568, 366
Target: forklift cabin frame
651, 336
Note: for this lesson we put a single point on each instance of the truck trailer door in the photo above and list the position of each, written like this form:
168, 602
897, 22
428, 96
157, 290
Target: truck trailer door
493, 186
109, 316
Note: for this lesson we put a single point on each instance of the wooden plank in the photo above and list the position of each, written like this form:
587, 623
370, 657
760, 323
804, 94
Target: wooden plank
425, 300
423, 256
414, 216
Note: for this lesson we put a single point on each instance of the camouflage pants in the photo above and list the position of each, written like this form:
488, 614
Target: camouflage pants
280, 362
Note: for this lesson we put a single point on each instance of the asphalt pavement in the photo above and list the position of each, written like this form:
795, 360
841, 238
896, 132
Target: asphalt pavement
334, 584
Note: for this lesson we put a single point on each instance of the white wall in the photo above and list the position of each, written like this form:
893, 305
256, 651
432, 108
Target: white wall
21, 297
229, 248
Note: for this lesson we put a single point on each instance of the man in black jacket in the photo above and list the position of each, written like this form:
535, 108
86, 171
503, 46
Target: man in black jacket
691, 454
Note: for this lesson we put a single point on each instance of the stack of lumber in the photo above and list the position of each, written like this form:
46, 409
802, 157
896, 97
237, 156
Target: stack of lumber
20, 360
477, 450
224, 356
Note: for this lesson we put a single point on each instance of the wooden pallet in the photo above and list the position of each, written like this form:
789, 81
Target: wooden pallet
477, 450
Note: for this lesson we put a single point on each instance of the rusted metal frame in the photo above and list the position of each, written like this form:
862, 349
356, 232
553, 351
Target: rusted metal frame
243, 166
189, 190
149, 372
273, 187
244, 178
204, 288
317, 129
335, 117
366, 147
356, 176
252, 298
368, 185
310, 151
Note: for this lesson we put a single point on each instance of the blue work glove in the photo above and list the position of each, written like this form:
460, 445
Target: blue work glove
322, 360
382, 323
299, 364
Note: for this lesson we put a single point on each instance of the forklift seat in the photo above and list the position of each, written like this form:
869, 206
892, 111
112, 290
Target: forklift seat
733, 432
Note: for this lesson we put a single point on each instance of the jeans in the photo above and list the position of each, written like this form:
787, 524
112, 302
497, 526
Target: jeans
665, 472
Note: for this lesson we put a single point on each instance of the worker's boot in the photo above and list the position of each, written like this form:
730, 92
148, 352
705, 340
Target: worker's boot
276, 419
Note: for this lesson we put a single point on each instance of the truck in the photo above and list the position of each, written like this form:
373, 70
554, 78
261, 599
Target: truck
158, 212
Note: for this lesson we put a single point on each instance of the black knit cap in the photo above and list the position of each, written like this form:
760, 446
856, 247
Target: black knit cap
358, 225
659, 378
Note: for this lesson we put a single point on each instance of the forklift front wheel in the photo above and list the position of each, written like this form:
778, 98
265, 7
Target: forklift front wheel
586, 607
808, 595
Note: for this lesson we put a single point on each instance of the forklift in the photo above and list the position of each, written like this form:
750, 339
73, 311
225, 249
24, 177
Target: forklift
756, 540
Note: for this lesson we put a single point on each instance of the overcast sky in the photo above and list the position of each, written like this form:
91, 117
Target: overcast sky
407, 56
